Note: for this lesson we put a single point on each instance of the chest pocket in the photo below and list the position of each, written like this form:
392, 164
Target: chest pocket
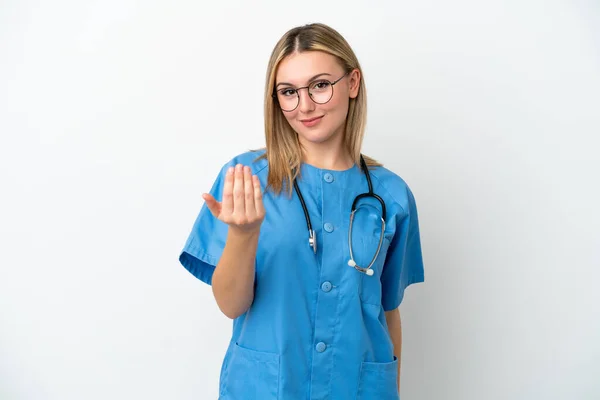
366, 232
370, 286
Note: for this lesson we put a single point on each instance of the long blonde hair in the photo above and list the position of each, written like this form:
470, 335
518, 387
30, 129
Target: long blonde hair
283, 150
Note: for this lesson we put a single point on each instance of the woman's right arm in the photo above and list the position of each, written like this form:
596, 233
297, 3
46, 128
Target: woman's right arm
243, 211
233, 279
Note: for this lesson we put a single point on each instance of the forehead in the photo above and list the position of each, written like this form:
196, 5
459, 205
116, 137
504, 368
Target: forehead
297, 68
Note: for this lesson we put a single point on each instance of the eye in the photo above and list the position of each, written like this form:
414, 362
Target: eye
287, 92
321, 85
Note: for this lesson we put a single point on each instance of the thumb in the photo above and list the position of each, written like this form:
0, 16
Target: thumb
213, 205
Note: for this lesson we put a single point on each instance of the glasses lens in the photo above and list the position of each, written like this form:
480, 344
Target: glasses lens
321, 91
288, 99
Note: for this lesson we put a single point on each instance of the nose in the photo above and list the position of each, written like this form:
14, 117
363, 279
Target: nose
306, 104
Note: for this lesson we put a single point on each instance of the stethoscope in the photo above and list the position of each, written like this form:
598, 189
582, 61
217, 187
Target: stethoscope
312, 238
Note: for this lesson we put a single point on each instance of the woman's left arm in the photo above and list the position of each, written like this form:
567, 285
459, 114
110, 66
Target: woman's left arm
395, 327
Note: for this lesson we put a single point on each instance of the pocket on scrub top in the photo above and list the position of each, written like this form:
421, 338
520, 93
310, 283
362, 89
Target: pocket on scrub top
370, 286
378, 381
251, 375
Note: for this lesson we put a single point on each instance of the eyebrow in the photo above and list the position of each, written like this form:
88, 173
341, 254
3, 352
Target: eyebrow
310, 80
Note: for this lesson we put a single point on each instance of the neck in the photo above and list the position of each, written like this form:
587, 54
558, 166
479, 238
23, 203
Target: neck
331, 154
327, 157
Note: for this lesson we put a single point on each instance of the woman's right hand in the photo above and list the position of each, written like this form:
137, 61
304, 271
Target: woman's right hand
242, 206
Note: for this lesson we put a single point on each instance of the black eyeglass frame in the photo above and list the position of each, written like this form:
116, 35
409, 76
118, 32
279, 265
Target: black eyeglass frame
309, 95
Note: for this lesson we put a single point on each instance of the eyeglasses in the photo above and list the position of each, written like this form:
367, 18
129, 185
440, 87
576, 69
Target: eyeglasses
319, 91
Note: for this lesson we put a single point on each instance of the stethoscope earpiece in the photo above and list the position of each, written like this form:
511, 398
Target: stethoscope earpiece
367, 271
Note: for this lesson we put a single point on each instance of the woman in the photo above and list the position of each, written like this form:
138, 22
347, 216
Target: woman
314, 318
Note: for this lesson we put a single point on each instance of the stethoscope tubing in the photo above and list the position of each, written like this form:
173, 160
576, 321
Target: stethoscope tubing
312, 239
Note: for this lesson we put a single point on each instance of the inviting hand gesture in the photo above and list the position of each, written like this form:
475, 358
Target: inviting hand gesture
242, 206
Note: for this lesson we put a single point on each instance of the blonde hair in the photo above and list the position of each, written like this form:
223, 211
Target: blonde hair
283, 150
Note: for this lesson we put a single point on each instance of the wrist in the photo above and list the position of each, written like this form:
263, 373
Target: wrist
240, 235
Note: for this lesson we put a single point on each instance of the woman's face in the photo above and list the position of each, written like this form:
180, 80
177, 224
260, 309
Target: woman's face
317, 123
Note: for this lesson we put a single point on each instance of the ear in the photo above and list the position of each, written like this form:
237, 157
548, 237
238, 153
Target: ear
354, 78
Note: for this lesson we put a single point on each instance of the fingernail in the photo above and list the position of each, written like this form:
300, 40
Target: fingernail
230, 170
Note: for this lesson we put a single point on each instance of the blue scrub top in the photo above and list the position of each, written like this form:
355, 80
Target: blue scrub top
316, 328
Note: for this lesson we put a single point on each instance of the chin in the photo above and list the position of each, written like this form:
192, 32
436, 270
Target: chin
319, 135
316, 136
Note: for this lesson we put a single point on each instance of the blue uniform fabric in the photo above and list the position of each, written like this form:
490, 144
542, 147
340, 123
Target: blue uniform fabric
316, 328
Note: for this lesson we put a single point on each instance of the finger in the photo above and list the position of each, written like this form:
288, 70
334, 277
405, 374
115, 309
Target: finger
213, 205
239, 207
249, 193
258, 202
227, 206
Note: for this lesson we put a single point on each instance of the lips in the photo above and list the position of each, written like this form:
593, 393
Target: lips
311, 119
309, 123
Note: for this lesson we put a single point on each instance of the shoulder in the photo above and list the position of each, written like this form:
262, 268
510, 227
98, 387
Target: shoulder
393, 188
253, 158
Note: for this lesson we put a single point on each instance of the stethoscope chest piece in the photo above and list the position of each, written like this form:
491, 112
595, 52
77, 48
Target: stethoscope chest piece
312, 240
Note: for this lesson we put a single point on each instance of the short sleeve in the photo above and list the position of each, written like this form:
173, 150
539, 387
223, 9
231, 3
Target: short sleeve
206, 241
404, 261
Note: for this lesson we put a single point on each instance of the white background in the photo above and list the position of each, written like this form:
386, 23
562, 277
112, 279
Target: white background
115, 116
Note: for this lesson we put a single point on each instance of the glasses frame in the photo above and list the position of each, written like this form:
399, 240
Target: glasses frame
308, 91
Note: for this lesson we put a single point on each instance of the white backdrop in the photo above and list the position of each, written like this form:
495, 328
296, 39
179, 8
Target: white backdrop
116, 115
